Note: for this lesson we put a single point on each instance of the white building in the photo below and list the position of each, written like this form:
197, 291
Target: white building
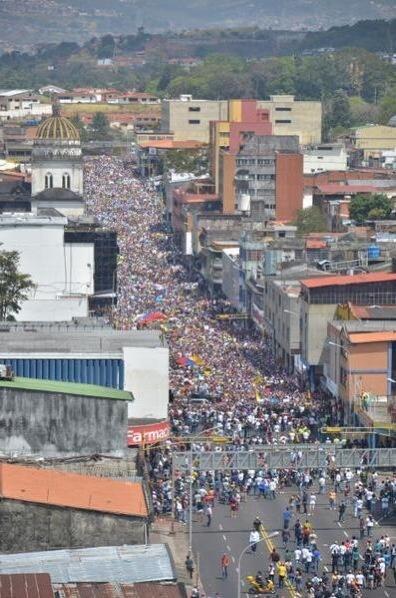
17, 103
324, 157
62, 272
57, 173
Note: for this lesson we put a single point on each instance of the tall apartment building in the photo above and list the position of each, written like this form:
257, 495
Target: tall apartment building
291, 117
269, 181
244, 117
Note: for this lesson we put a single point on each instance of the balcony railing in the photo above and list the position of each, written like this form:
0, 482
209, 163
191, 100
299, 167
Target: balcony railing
380, 409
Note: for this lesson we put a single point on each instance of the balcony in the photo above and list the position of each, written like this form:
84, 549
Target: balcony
379, 409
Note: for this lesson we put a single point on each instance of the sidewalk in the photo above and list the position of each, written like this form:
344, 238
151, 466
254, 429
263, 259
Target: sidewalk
162, 532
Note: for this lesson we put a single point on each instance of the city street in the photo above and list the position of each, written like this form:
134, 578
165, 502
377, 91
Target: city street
232, 535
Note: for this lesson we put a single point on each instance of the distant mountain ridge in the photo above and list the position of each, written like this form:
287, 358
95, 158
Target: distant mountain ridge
27, 22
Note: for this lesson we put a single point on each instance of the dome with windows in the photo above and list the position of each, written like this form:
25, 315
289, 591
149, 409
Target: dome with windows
57, 128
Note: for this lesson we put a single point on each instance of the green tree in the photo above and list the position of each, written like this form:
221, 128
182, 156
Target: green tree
192, 161
310, 220
14, 286
340, 111
100, 126
387, 106
376, 206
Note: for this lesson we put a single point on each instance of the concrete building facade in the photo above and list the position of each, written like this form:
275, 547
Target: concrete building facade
63, 273
269, 177
136, 360
293, 117
325, 157
187, 118
55, 419
319, 300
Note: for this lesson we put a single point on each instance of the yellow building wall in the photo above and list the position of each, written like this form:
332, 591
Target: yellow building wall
373, 140
305, 117
235, 111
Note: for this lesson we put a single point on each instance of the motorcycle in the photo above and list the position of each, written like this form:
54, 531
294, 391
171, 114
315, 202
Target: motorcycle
257, 589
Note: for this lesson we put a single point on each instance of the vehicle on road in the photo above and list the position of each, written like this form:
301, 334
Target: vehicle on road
260, 589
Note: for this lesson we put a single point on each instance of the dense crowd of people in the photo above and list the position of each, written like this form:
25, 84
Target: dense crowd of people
224, 379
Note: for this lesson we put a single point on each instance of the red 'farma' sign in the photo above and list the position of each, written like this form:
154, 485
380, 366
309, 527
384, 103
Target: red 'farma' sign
148, 433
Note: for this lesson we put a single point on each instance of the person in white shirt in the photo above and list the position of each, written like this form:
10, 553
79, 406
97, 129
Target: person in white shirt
358, 507
297, 555
312, 503
254, 538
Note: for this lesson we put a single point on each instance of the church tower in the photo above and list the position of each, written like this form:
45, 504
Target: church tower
56, 159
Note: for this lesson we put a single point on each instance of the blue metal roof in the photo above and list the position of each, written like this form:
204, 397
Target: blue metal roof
118, 564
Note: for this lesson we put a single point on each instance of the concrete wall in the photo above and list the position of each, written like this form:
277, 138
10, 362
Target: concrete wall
176, 115
322, 161
28, 527
60, 424
54, 310
314, 327
305, 118
147, 377
289, 186
57, 269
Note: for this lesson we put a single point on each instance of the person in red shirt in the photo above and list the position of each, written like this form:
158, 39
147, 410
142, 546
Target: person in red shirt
224, 563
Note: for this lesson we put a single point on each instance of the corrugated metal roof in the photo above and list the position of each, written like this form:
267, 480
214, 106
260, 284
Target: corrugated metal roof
329, 281
71, 490
107, 590
26, 586
107, 564
341, 189
71, 388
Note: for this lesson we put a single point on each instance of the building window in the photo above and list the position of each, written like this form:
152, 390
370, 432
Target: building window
66, 181
282, 109
194, 109
262, 162
194, 122
265, 177
49, 181
283, 121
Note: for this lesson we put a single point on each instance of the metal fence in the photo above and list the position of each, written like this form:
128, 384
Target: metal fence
312, 457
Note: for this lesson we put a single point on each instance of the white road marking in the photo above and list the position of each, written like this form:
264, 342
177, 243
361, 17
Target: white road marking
345, 534
339, 524
386, 594
220, 527
228, 548
233, 559
224, 538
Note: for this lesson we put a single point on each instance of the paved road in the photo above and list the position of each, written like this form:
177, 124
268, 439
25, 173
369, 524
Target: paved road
232, 535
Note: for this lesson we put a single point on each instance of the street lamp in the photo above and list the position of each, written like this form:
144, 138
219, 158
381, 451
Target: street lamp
266, 537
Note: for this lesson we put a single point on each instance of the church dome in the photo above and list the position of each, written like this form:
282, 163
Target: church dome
57, 128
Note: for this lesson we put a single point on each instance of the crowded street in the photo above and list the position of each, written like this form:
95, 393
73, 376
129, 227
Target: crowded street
225, 381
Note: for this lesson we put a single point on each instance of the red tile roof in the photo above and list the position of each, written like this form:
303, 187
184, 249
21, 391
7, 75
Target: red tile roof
315, 244
372, 337
51, 487
108, 590
26, 585
339, 189
328, 281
